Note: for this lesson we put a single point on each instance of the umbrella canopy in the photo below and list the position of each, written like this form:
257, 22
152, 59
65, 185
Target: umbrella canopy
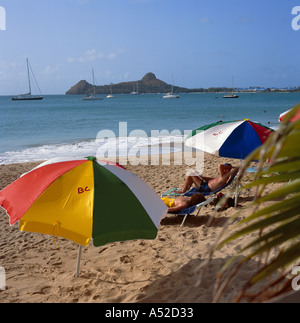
83, 199
232, 139
294, 118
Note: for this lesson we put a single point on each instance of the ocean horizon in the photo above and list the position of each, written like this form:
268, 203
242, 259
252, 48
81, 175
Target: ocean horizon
63, 125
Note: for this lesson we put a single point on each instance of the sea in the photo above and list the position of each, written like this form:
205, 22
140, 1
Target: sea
66, 126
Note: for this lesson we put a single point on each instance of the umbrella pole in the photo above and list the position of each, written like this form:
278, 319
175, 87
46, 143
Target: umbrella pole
78, 261
236, 194
237, 189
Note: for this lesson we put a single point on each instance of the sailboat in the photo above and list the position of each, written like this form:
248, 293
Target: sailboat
137, 89
110, 96
28, 96
92, 96
171, 95
232, 95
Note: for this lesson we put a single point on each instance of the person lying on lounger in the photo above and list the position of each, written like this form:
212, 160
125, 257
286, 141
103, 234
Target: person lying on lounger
182, 202
210, 184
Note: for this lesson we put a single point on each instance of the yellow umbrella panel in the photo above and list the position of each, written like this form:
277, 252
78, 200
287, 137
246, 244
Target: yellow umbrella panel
65, 208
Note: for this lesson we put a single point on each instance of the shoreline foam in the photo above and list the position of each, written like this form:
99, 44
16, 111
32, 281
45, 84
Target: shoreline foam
127, 146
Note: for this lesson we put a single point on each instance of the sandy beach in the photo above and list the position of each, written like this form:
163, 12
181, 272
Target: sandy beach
164, 270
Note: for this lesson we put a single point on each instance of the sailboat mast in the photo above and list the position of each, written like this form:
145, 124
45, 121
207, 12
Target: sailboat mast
28, 96
94, 82
28, 76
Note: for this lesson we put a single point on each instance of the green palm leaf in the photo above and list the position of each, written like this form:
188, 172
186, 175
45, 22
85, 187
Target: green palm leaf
277, 224
283, 259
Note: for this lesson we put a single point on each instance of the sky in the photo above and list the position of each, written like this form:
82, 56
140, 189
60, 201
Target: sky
190, 43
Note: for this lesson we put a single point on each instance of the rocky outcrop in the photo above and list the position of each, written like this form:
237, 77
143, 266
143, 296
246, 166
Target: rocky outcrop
82, 87
148, 84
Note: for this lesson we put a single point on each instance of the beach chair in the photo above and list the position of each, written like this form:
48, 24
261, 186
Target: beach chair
194, 190
171, 192
190, 210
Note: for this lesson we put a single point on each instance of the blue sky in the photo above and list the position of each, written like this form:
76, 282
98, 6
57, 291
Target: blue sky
196, 43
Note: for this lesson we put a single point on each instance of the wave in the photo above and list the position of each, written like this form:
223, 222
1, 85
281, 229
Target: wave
106, 148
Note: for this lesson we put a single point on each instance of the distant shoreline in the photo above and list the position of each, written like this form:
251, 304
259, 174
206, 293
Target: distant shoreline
150, 84
187, 92
199, 92
242, 92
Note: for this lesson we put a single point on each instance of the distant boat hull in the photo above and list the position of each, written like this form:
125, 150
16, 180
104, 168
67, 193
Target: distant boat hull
91, 98
171, 96
27, 98
230, 96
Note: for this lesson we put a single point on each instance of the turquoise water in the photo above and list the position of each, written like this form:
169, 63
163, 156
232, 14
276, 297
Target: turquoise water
38, 130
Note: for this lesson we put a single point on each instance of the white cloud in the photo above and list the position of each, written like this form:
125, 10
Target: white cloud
16, 64
49, 70
9, 69
112, 77
92, 55
111, 55
7, 65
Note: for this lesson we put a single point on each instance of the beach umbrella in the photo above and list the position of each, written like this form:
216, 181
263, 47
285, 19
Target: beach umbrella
83, 199
283, 114
294, 118
232, 139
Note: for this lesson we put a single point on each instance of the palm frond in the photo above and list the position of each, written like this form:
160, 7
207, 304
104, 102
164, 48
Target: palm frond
275, 217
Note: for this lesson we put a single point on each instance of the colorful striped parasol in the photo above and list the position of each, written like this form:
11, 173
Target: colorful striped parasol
83, 199
232, 139
285, 113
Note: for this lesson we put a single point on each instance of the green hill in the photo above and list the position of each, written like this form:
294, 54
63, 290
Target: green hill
148, 84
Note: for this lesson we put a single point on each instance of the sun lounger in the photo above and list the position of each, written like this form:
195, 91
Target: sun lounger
194, 190
190, 210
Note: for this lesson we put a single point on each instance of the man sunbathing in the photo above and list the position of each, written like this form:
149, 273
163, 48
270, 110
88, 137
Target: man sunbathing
182, 202
210, 184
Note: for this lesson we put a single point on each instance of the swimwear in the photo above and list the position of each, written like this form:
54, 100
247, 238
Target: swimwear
204, 187
169, 202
